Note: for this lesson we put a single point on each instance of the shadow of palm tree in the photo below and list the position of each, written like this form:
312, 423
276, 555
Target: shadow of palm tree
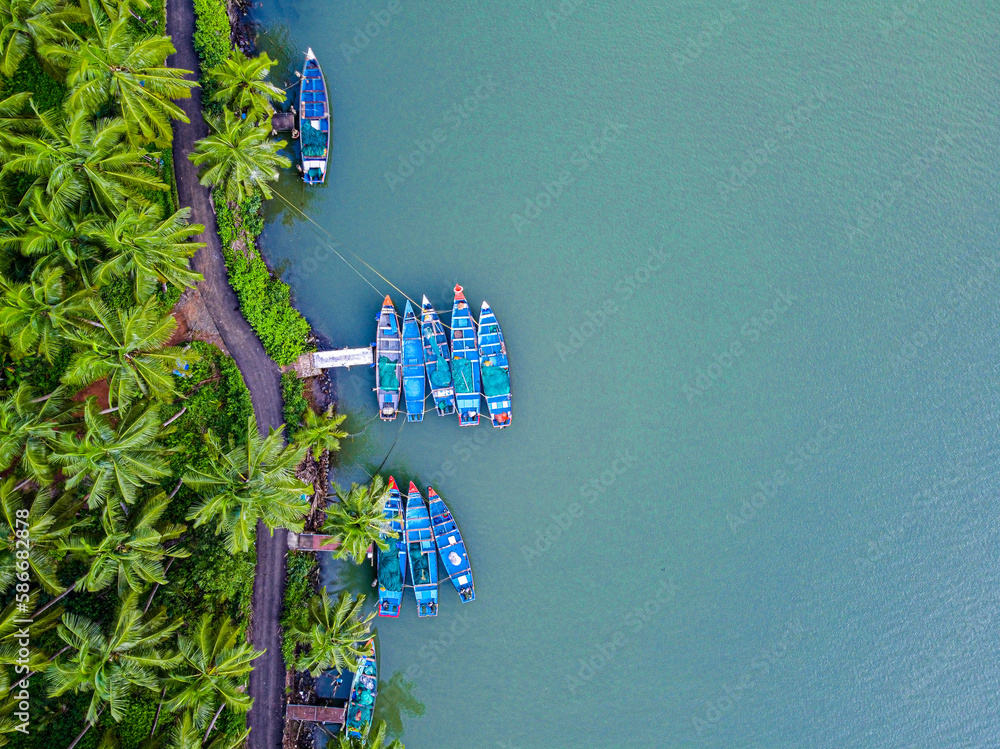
395, 699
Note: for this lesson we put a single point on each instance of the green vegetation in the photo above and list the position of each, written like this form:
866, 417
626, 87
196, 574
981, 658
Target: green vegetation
332, 634
301, 575
294, 402
321, 432
357, 519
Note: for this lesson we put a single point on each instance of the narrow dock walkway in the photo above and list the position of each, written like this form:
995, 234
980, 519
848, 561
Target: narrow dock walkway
315, 714
345, 357
311, 542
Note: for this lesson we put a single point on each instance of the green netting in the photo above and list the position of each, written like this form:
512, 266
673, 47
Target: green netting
438, 370
418, 566
388, 377
463, 376
388, 569
313, 142
360, 716
495, 381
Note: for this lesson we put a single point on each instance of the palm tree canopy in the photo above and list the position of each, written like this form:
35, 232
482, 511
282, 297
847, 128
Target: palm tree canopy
36, 316
29, 426
129, 551
12, 620
242, 85
249, 482
214, 661
114, 663
79, 162
321, 432
129, 348
23, 22
149, 251
376, 740
117, 457
357, 520
240, 156
114, 64
334, 633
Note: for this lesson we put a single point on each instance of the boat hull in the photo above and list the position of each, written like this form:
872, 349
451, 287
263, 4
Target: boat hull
315, 122
437, 359
420, 554
414, 381
364, 690
451, 547
496, 383
392, 562
388, 361
465, 361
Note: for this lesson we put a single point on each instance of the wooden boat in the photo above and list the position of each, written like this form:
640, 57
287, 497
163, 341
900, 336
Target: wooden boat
495, 369
392, 561
364, 690
465, 361
437, 358
388, 356
451, 547
420, 552
414, 382
315, 122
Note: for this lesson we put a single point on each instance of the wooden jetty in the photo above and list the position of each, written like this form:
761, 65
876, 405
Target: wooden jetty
315, 713
311, 542
283, 122
345, 357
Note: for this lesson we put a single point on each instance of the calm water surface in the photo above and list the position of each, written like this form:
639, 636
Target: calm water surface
745, 258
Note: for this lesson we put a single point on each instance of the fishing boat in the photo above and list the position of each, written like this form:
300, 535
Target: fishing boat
364, 690
437, 359
420, 548
392, 561
495, 369
465, 361
451, 547
314, 122
414, 383
388, 349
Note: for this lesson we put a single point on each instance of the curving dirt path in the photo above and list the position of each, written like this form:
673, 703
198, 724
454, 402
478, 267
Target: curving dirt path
267, 680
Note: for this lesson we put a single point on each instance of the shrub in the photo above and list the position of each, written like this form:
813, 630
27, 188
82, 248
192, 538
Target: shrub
47, 92
211, 32
299, 588
295, 403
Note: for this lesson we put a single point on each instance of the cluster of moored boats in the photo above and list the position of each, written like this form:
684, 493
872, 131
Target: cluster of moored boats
474, 367
419, 529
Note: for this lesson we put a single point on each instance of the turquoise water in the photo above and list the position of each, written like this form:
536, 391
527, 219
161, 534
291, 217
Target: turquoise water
745, 260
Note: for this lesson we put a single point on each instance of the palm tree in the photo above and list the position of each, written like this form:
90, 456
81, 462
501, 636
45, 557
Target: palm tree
29, 426
214, 662
357, 519
185, 734
129, 348
333, 633
249, 482
149, 251
24, 22
12, 619
52, 237
13, 118
79, 162
36, 316
239, 155
45, 524
242, 85
375, 740
113, 664
117, 458
321, 432
113, 64
129, 551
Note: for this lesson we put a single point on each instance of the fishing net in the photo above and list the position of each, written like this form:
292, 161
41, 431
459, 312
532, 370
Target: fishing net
438, 370
496, 381
463, 376
418, 566
360, 716
388, 569
388, 378
313, 142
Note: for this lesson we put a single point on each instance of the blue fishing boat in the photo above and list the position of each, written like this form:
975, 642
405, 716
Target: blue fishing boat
437, 358
420, 548
495, 369
451, 547
465, 361
392, 561
388, 361
414, 383
364, 690
314, 122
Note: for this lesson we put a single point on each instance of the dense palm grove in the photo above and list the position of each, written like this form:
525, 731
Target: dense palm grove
132, 473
